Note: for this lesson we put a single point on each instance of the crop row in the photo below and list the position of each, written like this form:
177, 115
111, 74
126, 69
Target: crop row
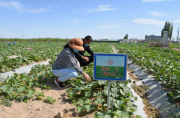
164, 64
27, 53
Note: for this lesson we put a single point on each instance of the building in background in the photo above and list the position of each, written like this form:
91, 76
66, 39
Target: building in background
152, 37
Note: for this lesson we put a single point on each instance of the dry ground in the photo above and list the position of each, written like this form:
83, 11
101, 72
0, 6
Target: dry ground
177, 49
39, 109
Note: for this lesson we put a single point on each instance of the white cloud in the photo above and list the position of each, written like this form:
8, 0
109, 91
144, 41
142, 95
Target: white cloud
101, 8
111, 25
15, 5
75, 21
154, 13
176, 21
38, 10
148, 21
155, 0
101, 21
125, 23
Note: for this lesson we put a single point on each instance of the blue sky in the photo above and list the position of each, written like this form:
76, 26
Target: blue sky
117, 60
110, 19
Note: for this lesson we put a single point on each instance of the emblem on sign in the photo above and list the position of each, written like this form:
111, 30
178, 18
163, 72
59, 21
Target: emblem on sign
110, 62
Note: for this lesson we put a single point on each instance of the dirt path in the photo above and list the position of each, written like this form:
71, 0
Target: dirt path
177, 49
39, 109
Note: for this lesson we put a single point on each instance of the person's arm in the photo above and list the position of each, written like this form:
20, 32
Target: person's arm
88, 49
82, 57
73, 62
78, 54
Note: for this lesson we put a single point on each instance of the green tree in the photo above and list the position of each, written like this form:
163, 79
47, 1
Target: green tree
169, 28
126, 36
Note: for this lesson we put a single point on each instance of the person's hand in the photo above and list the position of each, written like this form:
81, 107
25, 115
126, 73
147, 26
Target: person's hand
86, 77
78, 64
86, 58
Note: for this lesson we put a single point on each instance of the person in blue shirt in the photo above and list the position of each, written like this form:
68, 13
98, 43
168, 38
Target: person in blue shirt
85, 60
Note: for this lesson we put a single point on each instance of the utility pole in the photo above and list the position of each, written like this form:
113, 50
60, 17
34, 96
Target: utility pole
172, 29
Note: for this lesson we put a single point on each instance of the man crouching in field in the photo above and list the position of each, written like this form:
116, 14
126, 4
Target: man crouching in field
85, 60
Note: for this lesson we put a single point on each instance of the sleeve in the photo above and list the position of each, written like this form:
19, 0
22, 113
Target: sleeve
78, 54
73, 63
90, 51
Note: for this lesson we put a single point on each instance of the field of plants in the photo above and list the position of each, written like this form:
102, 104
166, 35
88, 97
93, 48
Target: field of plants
27, 52
87, 97
164, 64
90, 97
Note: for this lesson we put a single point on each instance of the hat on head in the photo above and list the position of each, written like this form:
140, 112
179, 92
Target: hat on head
76, 43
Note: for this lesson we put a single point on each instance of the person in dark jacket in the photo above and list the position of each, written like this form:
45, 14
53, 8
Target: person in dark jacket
66, 65
85, 60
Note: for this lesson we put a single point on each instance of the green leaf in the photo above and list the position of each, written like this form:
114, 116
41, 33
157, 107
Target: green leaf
87, 101
125, 107
88, 108
102, 82
49, 99
40, 93
26, 100
10, 90
5, 88
88, 93
99, 100
30, 93
119, 103
102, 115
138, 116
177, 97
80, 109
121, 114
81, 102
30, 84
25, 78
126, 99
20, 89
121, 91
97, 94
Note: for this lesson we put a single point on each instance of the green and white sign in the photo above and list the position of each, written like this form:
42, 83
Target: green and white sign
110, 67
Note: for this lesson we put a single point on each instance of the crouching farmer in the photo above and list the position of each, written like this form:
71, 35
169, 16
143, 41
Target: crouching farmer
66, 65
85, 60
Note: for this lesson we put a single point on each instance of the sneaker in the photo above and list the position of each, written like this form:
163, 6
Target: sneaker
59, 84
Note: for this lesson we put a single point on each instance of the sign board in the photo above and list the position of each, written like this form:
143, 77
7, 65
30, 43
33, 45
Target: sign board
110, 67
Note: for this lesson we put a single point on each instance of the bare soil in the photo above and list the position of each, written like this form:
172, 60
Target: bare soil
39, 109
177, 49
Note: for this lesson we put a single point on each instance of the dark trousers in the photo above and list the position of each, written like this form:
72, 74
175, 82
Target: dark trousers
83, 62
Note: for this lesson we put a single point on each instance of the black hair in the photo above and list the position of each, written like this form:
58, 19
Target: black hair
88, 38
66, 46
